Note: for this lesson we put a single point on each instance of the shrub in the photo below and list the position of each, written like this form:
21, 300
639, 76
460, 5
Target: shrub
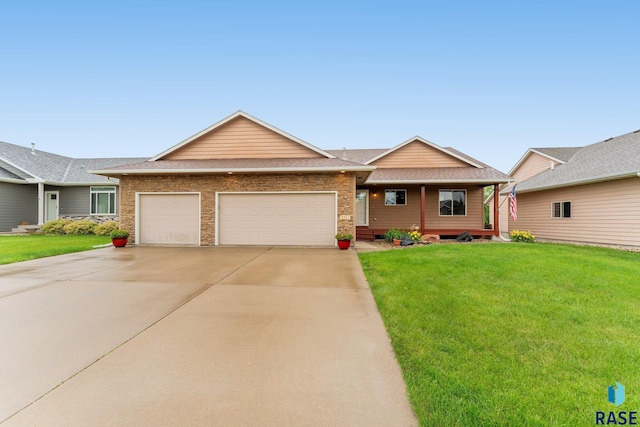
82, 227
522, 236
55, 227
105, 228
394, 234
119, 234
344, 236
414, 235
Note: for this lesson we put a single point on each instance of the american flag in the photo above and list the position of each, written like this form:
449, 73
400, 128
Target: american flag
513, 204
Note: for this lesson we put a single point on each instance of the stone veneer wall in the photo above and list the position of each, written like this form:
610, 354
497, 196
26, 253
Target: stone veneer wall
208, 185
98, 219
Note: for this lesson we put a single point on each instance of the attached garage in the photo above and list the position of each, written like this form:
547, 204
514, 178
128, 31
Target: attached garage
168, 219
278, 218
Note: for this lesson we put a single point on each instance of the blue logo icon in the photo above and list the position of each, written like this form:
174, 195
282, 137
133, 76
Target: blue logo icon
616, 394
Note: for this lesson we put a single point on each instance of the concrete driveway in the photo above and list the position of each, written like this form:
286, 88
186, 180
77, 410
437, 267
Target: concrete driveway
195, 336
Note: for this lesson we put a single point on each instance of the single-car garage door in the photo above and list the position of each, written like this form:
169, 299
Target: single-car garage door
169, 219
277, 219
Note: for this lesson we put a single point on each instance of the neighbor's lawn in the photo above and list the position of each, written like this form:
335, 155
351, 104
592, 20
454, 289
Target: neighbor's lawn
22, 248
511, 334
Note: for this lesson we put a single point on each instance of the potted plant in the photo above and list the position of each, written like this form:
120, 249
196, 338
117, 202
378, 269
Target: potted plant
344, 240
119, 238
394, 236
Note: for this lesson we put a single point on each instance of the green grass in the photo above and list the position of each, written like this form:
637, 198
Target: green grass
511, 334
22, 248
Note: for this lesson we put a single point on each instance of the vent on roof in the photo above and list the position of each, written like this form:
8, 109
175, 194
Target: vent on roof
637, 131
33, 148
344, 153
607, 140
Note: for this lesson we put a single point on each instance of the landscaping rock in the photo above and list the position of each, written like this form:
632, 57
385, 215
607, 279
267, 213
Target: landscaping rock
430, 238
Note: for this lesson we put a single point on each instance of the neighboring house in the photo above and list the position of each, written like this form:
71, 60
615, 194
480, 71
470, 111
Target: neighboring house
534, 161
593, 196
245, 182
36, 187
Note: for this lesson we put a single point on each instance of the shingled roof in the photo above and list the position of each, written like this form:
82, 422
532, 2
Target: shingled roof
614, 158
19, 163
563, 154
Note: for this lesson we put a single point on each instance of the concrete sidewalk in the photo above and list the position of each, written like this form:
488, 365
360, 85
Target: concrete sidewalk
286, 337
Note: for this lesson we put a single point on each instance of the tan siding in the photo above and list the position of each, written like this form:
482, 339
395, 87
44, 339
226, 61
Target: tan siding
504, 215
403, 217
385, 217
533, 165
241, 138
418, 155
606, 212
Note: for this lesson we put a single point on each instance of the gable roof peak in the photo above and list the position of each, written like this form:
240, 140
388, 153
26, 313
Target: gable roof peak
249, 117
424, 141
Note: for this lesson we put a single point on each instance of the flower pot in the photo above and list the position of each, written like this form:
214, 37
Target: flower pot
119, 242
344, 244
396, 242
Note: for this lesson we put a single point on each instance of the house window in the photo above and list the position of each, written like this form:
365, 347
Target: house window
103, 200
453, 202
395, 197
561, 210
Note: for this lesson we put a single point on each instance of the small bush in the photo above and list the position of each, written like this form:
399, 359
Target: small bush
119, 234
55, 227
522, 236
80, 228
394, 234
105, 228
414, 235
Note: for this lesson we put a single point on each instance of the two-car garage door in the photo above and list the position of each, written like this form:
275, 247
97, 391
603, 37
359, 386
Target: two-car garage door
242, 219
276, 219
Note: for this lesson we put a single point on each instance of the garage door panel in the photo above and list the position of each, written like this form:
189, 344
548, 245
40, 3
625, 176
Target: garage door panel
169, 219
277, 219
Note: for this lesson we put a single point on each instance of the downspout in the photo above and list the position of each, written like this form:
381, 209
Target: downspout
40, 203
496, 210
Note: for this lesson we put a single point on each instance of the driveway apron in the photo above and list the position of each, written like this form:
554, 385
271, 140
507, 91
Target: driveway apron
196, 336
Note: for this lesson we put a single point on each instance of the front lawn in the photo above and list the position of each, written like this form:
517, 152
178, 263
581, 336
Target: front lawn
511, 334
22, 248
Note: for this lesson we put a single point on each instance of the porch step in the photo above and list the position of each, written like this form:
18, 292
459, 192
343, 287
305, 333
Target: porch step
25, 229
365, 233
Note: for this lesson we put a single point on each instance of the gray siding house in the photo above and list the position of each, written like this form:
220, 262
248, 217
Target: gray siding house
37, 186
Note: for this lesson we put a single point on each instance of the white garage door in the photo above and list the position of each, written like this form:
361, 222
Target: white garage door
169, 219
277, 219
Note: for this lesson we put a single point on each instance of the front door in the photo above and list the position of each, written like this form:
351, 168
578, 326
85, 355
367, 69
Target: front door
362, 207
51, 205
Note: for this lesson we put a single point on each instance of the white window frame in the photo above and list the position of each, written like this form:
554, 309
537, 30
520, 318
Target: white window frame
451, 190
395, 204
562, 213
102, 190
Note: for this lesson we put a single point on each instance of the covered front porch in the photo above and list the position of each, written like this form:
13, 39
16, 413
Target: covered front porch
443, 209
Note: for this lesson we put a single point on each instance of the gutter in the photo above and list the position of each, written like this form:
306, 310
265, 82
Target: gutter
112, 172
440, 181
603, 178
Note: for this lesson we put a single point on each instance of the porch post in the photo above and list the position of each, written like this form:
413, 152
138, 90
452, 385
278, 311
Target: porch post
422, 202
40, 203
496, 210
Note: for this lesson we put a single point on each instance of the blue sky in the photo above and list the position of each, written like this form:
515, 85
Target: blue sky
489, 78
